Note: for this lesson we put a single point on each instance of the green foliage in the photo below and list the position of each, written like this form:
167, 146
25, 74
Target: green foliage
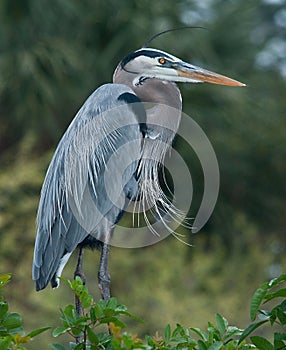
219, 335
275, 289
93, 316
86, 329
12, 334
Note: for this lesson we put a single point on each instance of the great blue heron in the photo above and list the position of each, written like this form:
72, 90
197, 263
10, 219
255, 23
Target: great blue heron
74, 209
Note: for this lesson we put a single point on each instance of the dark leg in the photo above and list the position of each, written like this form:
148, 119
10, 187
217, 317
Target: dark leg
79, 272
79, 267
103, 274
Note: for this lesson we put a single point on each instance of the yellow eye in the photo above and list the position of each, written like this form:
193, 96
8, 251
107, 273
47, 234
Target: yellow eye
162, 60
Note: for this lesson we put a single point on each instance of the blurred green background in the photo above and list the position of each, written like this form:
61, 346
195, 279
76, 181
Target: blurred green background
54, 53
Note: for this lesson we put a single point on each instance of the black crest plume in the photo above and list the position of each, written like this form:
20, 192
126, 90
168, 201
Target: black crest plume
146, 44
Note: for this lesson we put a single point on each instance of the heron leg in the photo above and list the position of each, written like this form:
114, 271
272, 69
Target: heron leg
103, 274
79, 267
79, 272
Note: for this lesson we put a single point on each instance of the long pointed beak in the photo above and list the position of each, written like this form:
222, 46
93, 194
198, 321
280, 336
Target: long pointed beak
194, 73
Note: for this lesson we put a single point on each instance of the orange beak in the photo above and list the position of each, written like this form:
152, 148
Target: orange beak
197, 74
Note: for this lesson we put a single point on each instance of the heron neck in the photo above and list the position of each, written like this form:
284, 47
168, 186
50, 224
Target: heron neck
151, 89
162, 99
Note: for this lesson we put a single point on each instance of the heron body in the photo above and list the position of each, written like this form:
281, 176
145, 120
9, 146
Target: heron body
64, 196
90, 180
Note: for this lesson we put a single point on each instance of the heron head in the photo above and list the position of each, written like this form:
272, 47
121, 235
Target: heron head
152, 63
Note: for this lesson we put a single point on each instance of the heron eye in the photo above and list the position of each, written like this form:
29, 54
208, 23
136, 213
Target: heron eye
162, 60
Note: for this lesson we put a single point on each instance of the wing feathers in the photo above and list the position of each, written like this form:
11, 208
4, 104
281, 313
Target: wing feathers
83, 191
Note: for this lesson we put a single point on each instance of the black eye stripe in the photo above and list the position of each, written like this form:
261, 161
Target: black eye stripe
147, 53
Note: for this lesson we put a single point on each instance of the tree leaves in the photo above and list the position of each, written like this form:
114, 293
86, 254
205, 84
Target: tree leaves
261, 343
219, 335
256, 301
12, 334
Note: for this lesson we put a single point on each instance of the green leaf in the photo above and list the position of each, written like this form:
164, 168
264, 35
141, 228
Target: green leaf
279, 336
104, 338
55, 346
261, 343
112, 303
221, 324
232, 332
3, 309
59, 331
93, 347
4, 279
12, 320
282, 306
279, 293
76, 331
115, 320
37, 332
72, 345
128, 314
216, 346
200, 333
281, 316
279, 312
66, 282
78, 280
276, 281
121, 308
256, 301
102, 303
86, 301
250, 329
5, 343
279, 345
92, 337
279, 339
69, 315
97, 311
213, 332
167, 332
202, 345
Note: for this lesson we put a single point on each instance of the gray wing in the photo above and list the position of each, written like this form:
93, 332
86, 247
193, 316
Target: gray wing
89, 177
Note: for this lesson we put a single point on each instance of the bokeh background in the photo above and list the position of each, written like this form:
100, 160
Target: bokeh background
54, 53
